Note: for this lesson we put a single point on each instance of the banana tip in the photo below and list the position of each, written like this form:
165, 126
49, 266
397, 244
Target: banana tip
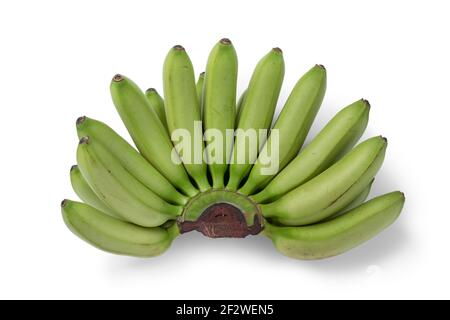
64, 203
321, 66
84, 140
150, 90
178, 47
225, 41
80, 120
118, 77
202, 74
278, 50
74, 167
366, 102
384, 138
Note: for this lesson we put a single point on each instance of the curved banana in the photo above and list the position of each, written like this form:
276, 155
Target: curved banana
119, 189
113, 235
352, 198
130, 159
219, 106
199, 89
340, 134
341, 204
183, 112
157, 104
327, 239
148, 132
357, 201
360, 199
84, 191
293, 125
332, 190
257, 113
239, 107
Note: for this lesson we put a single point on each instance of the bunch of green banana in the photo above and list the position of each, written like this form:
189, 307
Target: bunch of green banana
313, 205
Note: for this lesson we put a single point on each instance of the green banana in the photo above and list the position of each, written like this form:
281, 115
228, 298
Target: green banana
332, 190
293, 125
239, 107
339, 135
130, 159
85, 193
148, 132
113, 235
257, 112
341, 234
157, 104
199, 89
183, 112
360, 199
119, 189
219, 104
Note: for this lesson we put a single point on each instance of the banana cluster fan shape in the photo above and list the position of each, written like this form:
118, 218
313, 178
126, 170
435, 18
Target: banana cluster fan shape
314, 206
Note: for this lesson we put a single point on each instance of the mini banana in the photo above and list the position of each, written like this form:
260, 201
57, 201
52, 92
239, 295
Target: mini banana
113, 235
157, 104
130, 159
199, 89
293, 125
339, 135
183, 112
332, 190
219, 105
119, 189
257, 112
148, 132
336, 236
85, 193
239, 107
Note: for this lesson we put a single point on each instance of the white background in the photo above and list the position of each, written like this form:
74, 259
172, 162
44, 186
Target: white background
56, 61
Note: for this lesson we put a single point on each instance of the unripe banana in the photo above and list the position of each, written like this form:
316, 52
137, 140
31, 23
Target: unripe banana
239, 107
219, 105
199, 89
257, 112
119, 189
157, 104
360, 199
332, 190
113, 235
293, 125
84, 191
183, 111
148, 132
336, 236
339, 206
339, 135
130, 159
